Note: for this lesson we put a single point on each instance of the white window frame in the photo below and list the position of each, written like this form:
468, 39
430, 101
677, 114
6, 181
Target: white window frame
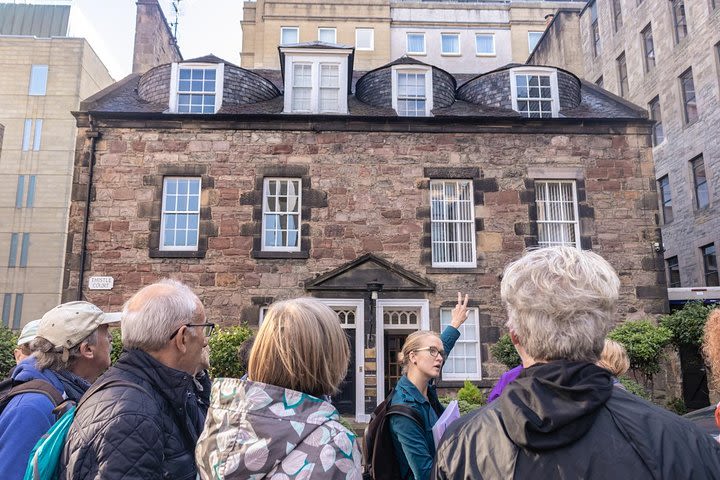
482, 54
37, 85
450, 54
576, 222
530, 33
297, 34
473, 318
316, 61
551, 72
413, 69
327, 29
163, 218
407, 43
265, 212
175, 79
372, 40
468, 264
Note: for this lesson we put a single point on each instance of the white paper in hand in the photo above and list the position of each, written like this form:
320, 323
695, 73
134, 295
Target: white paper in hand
451, 413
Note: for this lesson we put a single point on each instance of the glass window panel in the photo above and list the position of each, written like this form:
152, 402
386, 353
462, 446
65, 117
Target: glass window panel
25, 251
327, 35
12, 258
27, 134
38, 134
485, 44
289, 35
364, 38
184, 74
38, 80
415, 43
7, 304
20, 191
17, 313
197, 74
450, 43
210, 74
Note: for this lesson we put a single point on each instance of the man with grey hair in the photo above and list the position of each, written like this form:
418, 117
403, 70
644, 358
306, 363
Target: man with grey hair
562, 418
147, 431
70, 349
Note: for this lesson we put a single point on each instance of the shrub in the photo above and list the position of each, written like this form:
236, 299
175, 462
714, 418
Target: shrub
687, 324
635, 388
8, 342
116, 345
224, 345
471, 394
644, 343
505, 353
677, 405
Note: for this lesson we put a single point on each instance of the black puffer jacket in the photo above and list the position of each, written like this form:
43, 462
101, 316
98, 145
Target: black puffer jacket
128, 433
564, 420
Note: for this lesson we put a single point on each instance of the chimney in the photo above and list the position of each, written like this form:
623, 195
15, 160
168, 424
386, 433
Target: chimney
154, 42
548, 19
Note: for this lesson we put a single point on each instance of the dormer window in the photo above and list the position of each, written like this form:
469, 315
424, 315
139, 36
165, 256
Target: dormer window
196, 88
412, 91
535, 92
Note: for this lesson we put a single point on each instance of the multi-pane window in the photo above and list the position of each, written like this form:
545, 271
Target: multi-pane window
452, 223
289, 35
302, 87
364, 39
533, 39
38, 80
196, 90
702, 197
180, 223
557, 215
327, 35
679, 19
617, 14
329, 87
485, 44
450, 43
281, 214
658, 134
595, 29
687, 87
710, 265
623, 75
648, 48
416, 43
534, 95
411, 96
666, 199
463, 363
673, 269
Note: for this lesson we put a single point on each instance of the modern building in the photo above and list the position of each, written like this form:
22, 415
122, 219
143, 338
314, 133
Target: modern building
665, 56
460, 37
45, 75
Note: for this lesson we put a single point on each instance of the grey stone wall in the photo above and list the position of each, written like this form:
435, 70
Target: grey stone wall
492, 90
443, 88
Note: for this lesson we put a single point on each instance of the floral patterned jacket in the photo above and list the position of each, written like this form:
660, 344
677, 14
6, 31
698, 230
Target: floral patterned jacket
259, 431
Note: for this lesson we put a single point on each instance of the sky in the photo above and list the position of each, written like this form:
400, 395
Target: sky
204, 27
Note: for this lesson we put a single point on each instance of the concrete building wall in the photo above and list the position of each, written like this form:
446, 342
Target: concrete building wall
74, 72
690, 228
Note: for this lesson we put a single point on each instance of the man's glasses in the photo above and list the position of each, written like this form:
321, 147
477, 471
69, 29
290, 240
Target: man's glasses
432, 351
207, 328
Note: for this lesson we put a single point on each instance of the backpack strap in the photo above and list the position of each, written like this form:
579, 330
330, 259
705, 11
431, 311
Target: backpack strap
405, 411
33, 386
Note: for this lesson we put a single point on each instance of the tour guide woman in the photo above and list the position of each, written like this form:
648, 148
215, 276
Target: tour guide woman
422, 359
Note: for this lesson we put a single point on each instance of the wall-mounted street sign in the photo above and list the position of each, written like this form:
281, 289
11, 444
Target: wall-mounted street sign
101, 283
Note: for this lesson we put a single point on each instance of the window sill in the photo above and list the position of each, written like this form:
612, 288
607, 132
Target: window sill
279, 255
157, 253
419, 54
486, 55
450, 55
358, 49
456, 270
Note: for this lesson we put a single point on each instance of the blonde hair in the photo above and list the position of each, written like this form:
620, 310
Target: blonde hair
711, 343
300, 346
412, 343
614, 358
560, 302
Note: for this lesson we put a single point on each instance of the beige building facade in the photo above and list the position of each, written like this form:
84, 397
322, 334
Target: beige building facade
43, 80
665, 56
460, 37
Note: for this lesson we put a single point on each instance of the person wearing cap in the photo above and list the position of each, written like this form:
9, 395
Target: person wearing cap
28, 333
71, 349
149, 430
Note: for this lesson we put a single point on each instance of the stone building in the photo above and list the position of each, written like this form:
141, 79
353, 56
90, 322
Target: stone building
458, 36
665, 56
382, 195
45, 74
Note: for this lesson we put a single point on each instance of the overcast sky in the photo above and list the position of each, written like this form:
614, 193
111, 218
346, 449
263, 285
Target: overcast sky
205, 26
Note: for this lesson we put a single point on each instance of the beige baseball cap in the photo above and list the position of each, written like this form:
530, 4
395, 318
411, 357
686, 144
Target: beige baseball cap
70, 323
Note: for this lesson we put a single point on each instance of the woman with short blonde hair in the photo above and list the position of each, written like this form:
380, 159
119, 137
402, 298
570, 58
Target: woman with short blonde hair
278, 421
614, 358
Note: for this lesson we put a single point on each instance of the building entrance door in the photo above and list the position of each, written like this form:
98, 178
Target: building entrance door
393, 369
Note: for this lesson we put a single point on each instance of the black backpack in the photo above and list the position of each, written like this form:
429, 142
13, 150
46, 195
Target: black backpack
10, 388
379, 454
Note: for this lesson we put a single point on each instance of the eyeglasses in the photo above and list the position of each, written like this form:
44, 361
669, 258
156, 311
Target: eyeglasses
432, 351
208, 328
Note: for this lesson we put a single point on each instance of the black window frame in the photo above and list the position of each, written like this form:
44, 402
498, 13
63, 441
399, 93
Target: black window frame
700, 184
623, 79
658, 132
648, 44
673, 269
665, 199
688, 99
710, 267
680, 25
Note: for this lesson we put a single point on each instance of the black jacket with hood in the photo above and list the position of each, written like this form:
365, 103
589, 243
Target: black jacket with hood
564, 420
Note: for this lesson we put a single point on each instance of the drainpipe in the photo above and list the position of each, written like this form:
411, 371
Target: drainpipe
93, 135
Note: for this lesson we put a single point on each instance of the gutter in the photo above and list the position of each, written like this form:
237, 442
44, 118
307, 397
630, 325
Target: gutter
93, 135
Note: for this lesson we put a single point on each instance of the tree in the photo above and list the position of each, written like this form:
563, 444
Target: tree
504, 352
644, 343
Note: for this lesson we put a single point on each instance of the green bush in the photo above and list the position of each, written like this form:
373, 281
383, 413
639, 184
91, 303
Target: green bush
677, 405
635, 388
224, 345
504, 352
687, 324
471, 394
8, 342
644, 343
116, 345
